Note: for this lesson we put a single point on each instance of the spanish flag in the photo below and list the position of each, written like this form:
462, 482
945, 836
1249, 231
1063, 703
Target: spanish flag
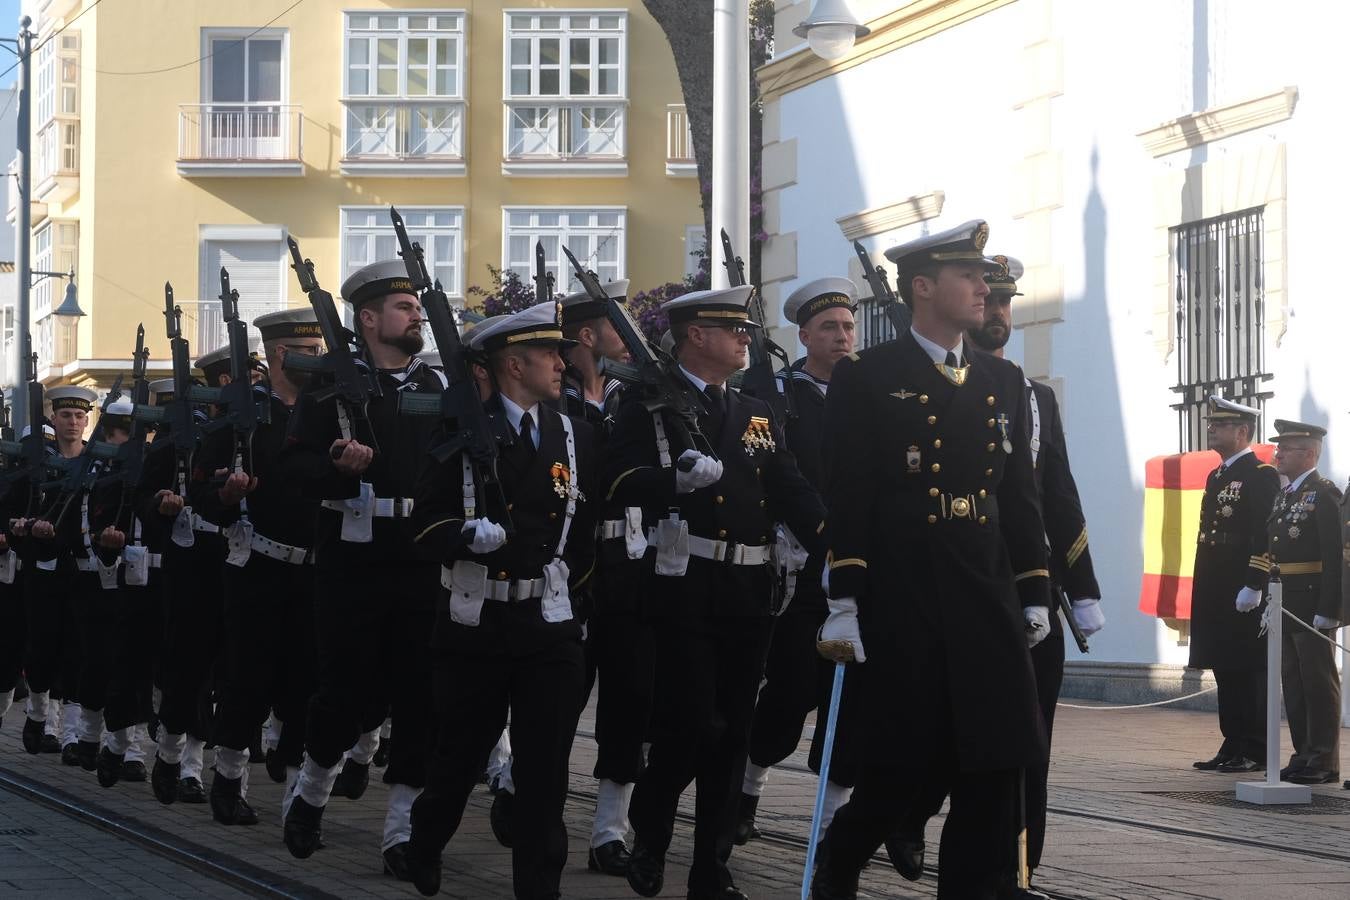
1174, 487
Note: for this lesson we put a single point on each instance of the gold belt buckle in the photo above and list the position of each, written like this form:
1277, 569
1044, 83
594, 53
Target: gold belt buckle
960, 507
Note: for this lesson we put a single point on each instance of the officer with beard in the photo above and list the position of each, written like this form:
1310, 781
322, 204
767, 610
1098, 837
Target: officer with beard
268, 579
375, 586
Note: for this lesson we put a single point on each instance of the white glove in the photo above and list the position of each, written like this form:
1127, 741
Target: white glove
1088, 616
1248, 599
1038, 624
706, 471
1321, 623
839, 638
487, 535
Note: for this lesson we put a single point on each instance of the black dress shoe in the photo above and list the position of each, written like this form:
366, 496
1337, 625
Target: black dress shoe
352, 780
396, 862
190, 790
745, 821
646, 870
423, 872
906, 856
499, 817
87, 753
303, 830
50, 744
32, 735
164, 780
1290, 769
132, 771
1240, 764
829, 885
70, 755
609, 859
1314, 776
1209, 765
227, 802
109, 767
276, 766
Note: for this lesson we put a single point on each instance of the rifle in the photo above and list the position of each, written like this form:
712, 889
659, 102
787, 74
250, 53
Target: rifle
242, 411
661, 386
896, 311
759, 380
177, 413
467, 424
35, 451
543, 279
352, 389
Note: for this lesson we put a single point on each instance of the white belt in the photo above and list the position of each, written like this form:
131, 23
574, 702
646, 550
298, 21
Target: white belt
296, 556
200, 524
721, 551
614, 528
385, 507
90, 564
511, 591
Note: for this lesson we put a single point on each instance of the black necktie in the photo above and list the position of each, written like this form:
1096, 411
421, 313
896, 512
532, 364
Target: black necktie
527, 439
716, 407
952, 361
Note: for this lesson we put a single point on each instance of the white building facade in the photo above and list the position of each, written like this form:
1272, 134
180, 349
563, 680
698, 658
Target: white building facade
1159, 166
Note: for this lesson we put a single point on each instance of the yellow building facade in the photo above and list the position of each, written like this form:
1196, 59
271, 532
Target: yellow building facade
173, 138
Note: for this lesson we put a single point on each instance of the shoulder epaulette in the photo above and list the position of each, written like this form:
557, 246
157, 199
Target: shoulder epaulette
854, 357
1265, 466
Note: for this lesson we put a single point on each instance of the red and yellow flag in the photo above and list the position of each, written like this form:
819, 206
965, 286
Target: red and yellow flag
1174, 487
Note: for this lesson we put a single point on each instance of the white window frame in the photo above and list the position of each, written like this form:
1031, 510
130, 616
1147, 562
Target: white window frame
454, 291
403, 106
693, 236
211, 33
58, 256
560, 130
564, 278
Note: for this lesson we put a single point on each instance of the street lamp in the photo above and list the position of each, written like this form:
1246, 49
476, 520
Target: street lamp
831, 29
67, 316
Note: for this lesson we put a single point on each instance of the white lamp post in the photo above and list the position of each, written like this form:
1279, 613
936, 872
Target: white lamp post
831, 29
731, 132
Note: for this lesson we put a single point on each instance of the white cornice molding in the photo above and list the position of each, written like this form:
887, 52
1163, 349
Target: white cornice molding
880, 219
1220, 122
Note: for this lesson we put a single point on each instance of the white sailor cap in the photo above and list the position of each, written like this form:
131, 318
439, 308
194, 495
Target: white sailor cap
161, 389
379, 279
964, 243
537, 325
299, 322
118, 413
579, 307
721, 305
1003, 280
1220, 409
72, 397
217, 362
47, 430
817, 296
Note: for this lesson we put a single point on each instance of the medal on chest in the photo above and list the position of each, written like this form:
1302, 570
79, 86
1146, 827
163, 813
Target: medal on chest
1002, 420
913, 460
758, 436
562, 482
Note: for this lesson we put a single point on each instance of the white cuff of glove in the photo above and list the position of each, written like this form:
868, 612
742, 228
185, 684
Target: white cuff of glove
1322, 623
1037, 620
1248, 599
841, 627
706, 471
487, 535
1088, 616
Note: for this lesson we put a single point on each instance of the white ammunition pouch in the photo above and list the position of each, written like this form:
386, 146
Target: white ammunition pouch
789, 559
9, 564
466, 582
672, 546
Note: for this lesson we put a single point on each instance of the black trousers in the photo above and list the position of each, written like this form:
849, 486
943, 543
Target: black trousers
707, 675
474, 690
134, 640
14, 616
621, 646
192, 629
50, 608
95, 625
1047, 660
798, 680
269, 653
1242, 711
373, 621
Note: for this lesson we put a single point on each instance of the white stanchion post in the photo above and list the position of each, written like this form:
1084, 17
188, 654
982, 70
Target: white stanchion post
1273, 791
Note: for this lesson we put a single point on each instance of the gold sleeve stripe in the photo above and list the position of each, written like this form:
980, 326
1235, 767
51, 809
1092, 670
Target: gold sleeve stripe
1077, 549
615, 485
840, 563
1033, 573
433, 526
1259, 562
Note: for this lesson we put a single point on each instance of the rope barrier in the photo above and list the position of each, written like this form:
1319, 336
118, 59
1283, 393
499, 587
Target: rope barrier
1286, 611
1208, 690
